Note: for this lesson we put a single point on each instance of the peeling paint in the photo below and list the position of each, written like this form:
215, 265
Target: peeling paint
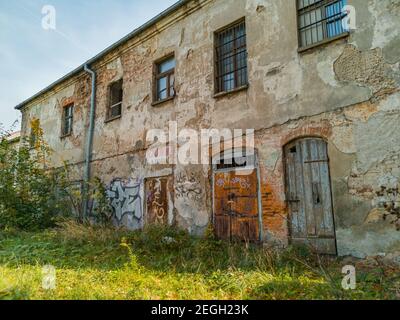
345, 92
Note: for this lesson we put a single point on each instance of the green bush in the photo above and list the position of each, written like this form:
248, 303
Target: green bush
30, 197
34, 196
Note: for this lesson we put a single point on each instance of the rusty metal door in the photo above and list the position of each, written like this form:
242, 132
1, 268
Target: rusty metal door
309, 196
158, 200
236, 205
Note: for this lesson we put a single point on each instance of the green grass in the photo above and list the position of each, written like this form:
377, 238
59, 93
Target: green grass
94, 263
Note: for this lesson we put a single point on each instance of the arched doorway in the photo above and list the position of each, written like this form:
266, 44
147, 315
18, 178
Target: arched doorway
309, 196
236, 196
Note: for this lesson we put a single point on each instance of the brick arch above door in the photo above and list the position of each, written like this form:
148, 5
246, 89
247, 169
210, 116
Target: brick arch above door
324, 133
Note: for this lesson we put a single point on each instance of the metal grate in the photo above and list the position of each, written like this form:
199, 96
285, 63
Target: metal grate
320, 20
231, 56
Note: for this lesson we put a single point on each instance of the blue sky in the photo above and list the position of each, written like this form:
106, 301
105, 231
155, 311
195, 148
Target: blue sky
32, 58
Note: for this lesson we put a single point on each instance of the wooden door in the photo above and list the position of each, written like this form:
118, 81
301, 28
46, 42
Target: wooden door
309, 196
158, 198
236, 205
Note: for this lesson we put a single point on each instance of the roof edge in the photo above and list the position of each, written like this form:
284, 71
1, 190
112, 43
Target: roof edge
115, 45
14, 137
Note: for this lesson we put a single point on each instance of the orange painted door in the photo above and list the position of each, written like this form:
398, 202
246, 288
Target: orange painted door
236, 205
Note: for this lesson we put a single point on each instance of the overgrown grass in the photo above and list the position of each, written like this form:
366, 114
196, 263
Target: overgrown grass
163, 263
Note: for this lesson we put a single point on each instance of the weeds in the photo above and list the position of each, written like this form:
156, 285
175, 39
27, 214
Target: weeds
164, 263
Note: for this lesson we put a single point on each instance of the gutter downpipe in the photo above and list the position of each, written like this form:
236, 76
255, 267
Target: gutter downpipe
89, 142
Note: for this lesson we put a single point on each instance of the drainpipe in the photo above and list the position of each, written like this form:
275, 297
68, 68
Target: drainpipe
89, 142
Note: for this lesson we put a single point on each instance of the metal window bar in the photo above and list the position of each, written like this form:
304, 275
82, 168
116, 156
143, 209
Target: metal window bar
231, 58
330, 21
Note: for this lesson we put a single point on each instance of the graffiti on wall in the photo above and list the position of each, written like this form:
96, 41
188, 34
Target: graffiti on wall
188, 186
157, 200
243, 182
125, 199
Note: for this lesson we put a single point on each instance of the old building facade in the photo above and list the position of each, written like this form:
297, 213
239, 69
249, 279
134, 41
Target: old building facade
324, 103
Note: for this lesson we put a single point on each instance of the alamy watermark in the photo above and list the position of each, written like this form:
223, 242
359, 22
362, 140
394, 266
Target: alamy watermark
349, 22
49, 277
192, 147
349, 281
49, 19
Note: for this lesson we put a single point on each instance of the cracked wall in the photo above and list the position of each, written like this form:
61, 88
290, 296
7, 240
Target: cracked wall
345, 91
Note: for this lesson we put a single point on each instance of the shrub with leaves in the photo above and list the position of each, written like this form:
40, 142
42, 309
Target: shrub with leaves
34, 196
30, 196
102, 211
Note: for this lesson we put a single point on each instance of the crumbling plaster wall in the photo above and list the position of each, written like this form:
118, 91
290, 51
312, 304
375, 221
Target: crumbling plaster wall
49, 112
344, 91
361, 164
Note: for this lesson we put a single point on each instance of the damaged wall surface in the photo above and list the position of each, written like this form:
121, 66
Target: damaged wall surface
345, 92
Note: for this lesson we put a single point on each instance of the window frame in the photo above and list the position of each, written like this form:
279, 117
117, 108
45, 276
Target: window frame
65, 118
326, 39
218, 90
110, 107
231, 156
167, 74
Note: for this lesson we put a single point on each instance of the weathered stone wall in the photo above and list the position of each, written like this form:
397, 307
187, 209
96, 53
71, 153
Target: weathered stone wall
363, 148
345, 91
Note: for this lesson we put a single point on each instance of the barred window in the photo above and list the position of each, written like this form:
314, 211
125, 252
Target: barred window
320, 20
67, 121
231, 58
115, 100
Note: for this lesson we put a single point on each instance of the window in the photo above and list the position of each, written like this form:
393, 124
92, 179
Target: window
67, 121
234, 159
231, 58
320, 20
165, 79
115, 100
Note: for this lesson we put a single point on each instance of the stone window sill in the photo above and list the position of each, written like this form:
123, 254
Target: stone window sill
323, 42
226, 93
108, 120
157, 103
62, 137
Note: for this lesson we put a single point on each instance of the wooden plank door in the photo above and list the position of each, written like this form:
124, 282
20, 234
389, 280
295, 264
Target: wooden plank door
236, 205
309, 196
158, 199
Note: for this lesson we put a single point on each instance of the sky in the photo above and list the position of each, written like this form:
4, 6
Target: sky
33, 57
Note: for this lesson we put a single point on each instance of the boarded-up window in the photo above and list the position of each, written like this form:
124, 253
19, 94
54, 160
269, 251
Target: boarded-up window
231, 57
164, 79
320, 20
115, 100
67, 120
